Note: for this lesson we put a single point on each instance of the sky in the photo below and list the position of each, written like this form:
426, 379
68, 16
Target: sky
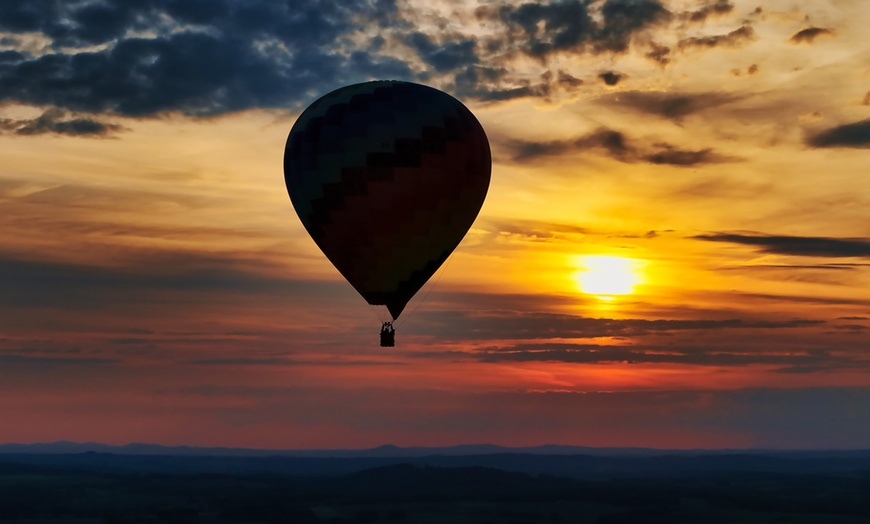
674, 251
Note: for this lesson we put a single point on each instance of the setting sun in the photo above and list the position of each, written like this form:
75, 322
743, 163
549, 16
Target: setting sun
607, 275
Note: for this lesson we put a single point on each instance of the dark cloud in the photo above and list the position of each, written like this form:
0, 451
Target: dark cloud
611, 78
805, 299
682, 157
488, 324
856, 134
659, 53
717, 8
616, 145
280, 361
204, 58
763, 267
809, 35
506, 93
854, 328
568, 81
142, 58
527, 150
733, 39
28, 283
808, 360
447, 56
24, 16
11, 56
46, 362
543, 28
623, 18
613, 142
751, 70
674, 106
197, 74
80, 24
796, 246
56, 121
492, 85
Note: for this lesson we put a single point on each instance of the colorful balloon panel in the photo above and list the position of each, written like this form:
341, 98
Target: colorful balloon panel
387, 177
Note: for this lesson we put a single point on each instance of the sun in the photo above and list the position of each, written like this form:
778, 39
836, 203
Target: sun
605, 275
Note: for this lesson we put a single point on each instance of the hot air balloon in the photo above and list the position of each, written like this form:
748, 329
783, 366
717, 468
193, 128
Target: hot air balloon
387, 177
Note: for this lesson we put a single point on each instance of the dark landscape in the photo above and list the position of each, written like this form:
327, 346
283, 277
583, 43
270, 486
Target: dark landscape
72, 483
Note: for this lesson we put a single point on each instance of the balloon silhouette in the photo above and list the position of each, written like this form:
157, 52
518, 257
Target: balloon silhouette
387, 177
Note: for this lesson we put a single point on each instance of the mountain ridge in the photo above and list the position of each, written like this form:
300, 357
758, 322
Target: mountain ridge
393, 451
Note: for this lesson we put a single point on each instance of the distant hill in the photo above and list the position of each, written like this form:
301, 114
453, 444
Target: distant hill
387, 450
391, 451
584, 463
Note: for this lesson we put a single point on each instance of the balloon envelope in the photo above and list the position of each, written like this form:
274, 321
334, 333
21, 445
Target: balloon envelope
387, 177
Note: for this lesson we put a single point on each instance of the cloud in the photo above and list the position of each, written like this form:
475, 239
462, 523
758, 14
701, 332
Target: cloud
796, 246
856, 134
659, 53
46, 362
567, 80
763, 267
717, 8
611, 78
807, 361
623, 18
197, 58
56, 121
493, 84
81, 24
566, 26
673, 106
447, 56
487, 324
828, 274
684, 158
29, 283
805, 299
735, 38
614, 143
617, 145
11, 56
539, 29
751, 70
535, 230
808, 35
150, 57
332, 361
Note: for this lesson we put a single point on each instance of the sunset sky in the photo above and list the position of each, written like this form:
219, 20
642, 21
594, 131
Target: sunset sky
674, 251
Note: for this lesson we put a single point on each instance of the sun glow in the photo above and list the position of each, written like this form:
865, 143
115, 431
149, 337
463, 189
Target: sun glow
603, 275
